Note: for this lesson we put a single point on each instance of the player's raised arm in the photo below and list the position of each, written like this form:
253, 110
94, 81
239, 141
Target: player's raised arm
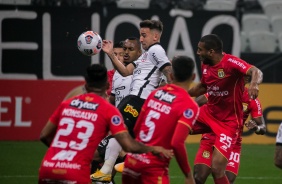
257, 77
119, 66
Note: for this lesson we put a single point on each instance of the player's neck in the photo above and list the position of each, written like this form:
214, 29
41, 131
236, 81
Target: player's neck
184, 85
217, 58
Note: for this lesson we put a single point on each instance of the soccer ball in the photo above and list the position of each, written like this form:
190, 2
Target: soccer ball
89, 43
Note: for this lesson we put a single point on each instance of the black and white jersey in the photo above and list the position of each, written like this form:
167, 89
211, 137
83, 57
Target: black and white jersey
147, 72
279, 135
120, 86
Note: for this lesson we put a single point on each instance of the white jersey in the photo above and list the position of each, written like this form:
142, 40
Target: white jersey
147, 72
279, 135
120, 86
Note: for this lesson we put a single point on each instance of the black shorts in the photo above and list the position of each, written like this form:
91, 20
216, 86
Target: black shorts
130, 108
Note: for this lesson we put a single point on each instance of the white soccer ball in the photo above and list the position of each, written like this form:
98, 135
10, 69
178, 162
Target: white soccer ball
89, 43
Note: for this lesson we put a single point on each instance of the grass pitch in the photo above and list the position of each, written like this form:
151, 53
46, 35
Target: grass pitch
19, 163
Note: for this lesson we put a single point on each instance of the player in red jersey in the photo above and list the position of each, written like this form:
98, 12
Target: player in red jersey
166, 119
202, 163
75, 129
223, 79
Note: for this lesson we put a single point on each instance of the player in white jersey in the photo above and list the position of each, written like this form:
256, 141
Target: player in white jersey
146, 70
120, 89
121, 85
278, 148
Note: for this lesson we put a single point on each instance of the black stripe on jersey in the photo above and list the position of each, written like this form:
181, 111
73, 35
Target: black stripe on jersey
147, 82
279, 144
166, 64
134, 64
157, 43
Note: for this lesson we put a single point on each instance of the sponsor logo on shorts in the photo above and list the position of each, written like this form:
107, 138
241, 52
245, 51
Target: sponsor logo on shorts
231, 164
188, 113
131, 110
116, 120
220, 73
206, 154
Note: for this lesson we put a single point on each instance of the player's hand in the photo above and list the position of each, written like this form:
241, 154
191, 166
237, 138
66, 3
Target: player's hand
253, 90
107, 46
251, 124
161, 152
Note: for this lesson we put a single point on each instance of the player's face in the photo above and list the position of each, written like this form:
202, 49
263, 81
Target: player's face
119, 53
131, 51
203, 53
147, 37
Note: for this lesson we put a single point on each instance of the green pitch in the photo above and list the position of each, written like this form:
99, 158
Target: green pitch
19, 163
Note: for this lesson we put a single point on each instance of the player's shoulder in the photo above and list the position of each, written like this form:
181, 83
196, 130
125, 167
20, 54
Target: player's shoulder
155, 48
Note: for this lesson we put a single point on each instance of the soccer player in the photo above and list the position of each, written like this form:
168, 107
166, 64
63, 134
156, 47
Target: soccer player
146, 70
121, 85
118, 51
223, 79
166, 119
202, 163
75, 129
278, 148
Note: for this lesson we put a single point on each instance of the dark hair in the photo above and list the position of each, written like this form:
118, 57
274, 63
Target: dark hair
182, 67
118, 44
212, 41
135, 39
152, 24
96, 76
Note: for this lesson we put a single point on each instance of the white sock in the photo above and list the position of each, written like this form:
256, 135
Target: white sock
111, 154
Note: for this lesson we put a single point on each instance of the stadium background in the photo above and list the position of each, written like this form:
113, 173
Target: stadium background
40, 63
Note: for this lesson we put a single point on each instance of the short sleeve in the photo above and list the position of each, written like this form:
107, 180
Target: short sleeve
189, 116
158, 56
115, 120
256, 109
279, 135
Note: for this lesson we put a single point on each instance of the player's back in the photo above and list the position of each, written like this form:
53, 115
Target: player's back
161, 112
83, 121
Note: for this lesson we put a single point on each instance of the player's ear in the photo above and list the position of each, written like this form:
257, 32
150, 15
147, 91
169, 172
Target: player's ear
171, 76
107, 85
86, 87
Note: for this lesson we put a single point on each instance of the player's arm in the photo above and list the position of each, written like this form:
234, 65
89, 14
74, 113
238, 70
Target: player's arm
197, 90
167, 71
257, 124
119, 66
256, 79
48, 132
128, 144
201, 100
112, 99
178, 144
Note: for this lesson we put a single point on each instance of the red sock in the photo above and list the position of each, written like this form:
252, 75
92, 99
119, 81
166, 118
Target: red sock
222, 180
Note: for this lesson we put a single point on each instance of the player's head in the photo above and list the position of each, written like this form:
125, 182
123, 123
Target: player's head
96, 78
118, 50
182, 69
150, 32
132, 49
208, 47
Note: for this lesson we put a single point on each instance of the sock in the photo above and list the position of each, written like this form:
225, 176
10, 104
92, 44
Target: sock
111, 154
222, 180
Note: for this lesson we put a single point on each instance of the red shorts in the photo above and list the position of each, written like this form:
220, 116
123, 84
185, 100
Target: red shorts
204, 154
144, 169
226, 132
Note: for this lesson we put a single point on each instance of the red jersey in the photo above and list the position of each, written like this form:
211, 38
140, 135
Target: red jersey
225, 85
82, 122
164, 110
110, 79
